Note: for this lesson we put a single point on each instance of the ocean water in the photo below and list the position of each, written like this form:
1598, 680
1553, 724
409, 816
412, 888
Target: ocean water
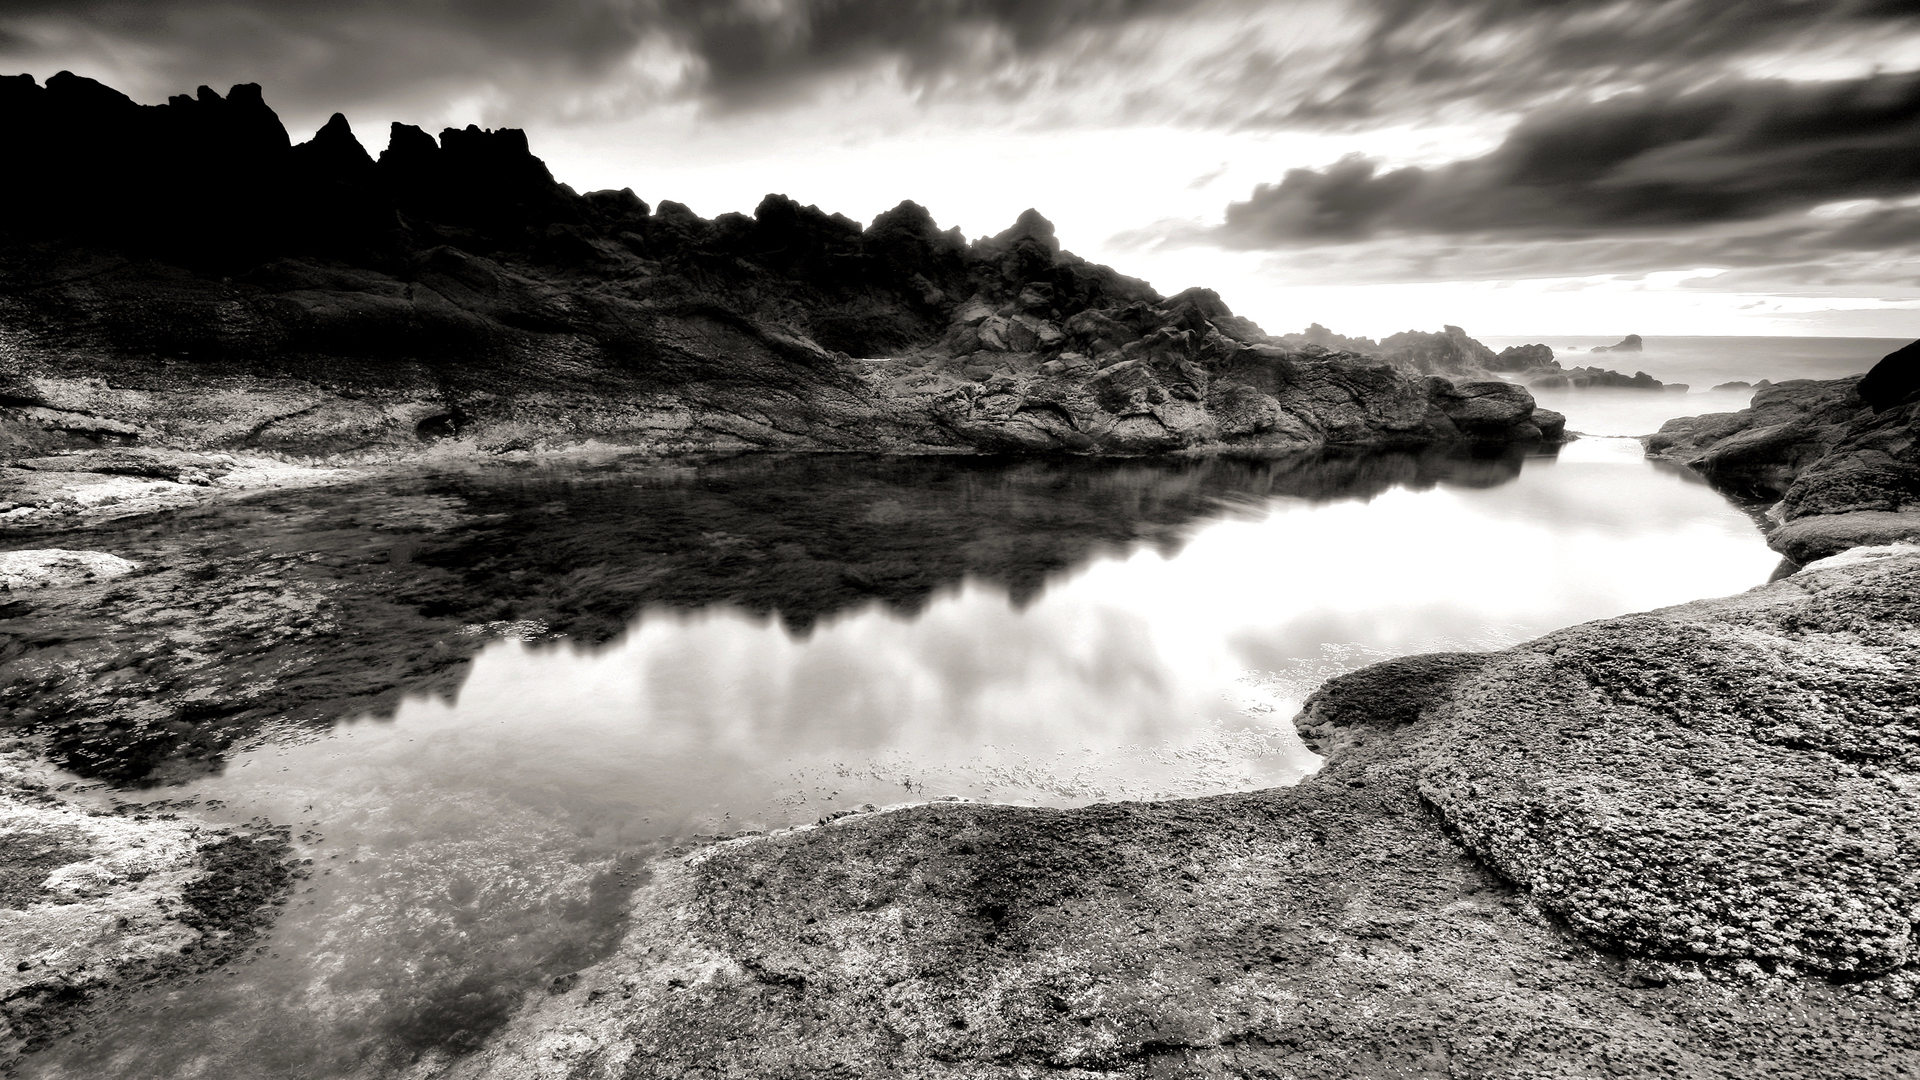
1700, 362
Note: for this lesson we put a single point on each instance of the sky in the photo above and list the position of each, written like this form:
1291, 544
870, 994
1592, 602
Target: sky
1516, 167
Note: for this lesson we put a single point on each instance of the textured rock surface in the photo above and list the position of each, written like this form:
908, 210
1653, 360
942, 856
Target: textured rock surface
53, 568
1757, 452
1702, 808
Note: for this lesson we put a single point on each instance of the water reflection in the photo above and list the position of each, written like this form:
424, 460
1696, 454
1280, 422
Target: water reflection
818, 634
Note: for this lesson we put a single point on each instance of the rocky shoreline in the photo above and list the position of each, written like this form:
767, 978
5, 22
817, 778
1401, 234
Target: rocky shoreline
1670, 844
1676, 843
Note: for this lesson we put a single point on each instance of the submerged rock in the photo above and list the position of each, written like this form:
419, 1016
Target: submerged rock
94, 904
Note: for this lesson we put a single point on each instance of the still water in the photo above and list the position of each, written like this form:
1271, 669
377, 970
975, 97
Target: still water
468, 850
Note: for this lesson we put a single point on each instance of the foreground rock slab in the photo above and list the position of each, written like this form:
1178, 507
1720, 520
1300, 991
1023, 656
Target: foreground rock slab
1701, 821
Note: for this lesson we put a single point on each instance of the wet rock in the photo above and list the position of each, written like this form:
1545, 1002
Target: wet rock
1821, 536
1757, 452
1844, 472
94, 904
1630, 343
54, 568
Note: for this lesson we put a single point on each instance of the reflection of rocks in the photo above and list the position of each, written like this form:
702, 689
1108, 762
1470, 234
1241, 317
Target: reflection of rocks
270, 609
1706, 859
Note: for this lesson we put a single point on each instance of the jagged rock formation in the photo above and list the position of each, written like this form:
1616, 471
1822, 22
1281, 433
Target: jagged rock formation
1524, 358
313, 297
1630, 343
1840, 456
1452, 353
1581, 378
1690, 812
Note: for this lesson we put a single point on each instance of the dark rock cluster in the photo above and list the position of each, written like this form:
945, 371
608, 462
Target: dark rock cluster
1839, 459
1630, 343
450, 288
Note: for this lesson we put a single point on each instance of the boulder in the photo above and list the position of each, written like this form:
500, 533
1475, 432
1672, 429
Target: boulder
1822, 536
1630, 343
1893, 381
1523, 358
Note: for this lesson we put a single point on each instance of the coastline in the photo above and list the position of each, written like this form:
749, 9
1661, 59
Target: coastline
1401, 910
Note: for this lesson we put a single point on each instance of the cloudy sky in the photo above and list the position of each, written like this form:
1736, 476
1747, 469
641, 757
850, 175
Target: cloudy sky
1513, 166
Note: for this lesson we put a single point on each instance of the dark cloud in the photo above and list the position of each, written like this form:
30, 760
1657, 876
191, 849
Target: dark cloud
1735, 151
755, 50
1422, 54
1798, 254
742, 51
1398, 57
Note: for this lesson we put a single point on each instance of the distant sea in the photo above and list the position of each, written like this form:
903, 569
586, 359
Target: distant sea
1701, 363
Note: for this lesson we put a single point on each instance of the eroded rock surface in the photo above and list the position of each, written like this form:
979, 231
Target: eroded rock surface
1697, 813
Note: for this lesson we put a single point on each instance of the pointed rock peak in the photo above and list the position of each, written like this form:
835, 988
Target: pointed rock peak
1032, 225
335, 142
1210, 304
207, 96
336, 129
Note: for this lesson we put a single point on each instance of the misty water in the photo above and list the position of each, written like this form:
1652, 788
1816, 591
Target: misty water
469, 849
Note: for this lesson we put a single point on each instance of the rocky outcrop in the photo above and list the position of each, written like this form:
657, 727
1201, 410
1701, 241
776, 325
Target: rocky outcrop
1523, 358
1580, 378
1700, 820
1845, 470
1756, 453
1630, 343
313, 298
1450, 351
1894, 381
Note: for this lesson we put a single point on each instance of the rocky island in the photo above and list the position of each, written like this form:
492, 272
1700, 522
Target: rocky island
1677, 843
